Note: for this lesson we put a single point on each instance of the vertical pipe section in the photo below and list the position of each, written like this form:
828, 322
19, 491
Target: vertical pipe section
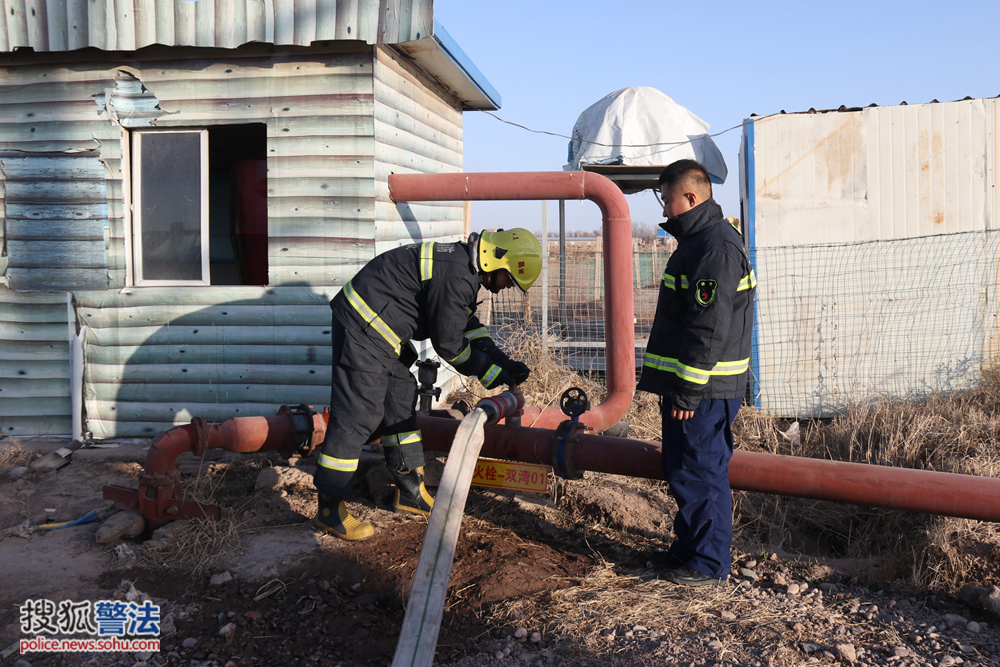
619, 312
75, 369
545, 277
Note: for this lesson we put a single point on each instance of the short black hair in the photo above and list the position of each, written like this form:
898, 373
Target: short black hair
685, 171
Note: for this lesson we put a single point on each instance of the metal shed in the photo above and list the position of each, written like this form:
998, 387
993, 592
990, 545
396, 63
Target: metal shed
278, 123
874, 235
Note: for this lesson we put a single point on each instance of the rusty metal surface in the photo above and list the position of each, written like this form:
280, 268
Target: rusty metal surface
294, 430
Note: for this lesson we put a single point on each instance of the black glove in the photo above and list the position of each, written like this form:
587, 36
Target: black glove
518, 371
501, 377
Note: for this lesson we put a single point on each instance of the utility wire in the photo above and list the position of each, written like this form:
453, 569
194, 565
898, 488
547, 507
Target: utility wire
597, 143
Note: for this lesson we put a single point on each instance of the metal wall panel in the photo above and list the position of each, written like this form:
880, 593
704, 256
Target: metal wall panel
879, 173
126, 25
34, 364
874, 238
417, 130
158, 357
55, 214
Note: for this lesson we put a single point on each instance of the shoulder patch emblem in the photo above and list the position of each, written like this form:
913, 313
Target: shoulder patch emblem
704, 292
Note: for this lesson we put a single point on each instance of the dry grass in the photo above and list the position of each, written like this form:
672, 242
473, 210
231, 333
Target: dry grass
613, 599
549, 378
13, 454
200, 546
959, 434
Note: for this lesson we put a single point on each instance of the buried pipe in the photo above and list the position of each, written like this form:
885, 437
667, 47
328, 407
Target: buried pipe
927, 491
619, 312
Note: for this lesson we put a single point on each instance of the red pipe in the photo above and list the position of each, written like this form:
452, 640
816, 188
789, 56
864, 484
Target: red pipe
947, 494
619, 312
159, 497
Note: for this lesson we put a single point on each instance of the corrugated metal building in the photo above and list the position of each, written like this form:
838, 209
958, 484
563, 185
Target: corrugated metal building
874, 236
275, 124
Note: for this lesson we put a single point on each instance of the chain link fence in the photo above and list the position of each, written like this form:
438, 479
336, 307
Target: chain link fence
848, 323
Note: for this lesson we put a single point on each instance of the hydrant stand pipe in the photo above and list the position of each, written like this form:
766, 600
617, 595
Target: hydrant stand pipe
619, 310
946, 494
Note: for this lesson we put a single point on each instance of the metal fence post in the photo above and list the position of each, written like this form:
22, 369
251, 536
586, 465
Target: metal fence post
545, 278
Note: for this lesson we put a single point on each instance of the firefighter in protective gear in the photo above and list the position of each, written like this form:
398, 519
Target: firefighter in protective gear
415, 292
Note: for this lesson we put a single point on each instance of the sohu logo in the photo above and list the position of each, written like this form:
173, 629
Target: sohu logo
705, 292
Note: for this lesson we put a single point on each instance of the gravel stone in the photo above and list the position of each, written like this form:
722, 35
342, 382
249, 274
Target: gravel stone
228, 630
220, 578
955, 621
846, 652
119, 525
520, 633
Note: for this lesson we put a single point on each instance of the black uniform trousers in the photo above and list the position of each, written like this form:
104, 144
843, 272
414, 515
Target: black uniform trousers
696, 455
360, 402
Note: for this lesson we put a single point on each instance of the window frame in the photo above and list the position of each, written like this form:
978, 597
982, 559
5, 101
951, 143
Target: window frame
135, 188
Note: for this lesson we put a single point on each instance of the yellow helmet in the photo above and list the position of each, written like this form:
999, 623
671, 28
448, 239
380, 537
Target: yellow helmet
516, 250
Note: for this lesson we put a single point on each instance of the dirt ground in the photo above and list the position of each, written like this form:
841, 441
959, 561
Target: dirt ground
536, 581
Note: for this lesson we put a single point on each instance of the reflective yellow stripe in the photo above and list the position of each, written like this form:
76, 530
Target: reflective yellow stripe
748, 282
481, 332
369, 316
344, 465
469, 310
463, 356
426, 260
490, 376
670, 282
394, 440
692, 374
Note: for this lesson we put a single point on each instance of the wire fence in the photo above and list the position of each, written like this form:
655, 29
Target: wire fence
836, 325
568, 302
847, 323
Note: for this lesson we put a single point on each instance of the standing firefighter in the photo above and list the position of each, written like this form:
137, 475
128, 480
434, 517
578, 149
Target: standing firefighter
415, 292
698, 360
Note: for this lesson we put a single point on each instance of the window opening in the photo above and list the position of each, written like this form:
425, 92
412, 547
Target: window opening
200, 205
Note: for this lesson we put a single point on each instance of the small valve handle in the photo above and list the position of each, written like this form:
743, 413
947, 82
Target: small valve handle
574, 403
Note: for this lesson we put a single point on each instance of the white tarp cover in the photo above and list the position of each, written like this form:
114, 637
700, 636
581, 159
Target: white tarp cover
640, 126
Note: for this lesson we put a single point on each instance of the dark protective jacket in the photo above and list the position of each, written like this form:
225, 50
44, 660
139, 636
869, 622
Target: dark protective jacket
416, 292
699, 346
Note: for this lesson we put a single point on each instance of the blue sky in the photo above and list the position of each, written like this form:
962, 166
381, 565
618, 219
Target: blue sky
551, 59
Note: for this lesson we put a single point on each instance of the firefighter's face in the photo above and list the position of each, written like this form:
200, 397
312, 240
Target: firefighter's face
498, 280
678, 200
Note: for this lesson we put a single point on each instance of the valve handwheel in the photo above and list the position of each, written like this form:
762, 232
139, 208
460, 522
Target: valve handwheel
574, 402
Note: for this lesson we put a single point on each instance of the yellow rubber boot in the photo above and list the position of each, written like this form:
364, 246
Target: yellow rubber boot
411, 494
334, 518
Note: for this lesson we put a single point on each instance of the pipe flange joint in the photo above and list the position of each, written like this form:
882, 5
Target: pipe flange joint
200, 443
562, 454
300, 429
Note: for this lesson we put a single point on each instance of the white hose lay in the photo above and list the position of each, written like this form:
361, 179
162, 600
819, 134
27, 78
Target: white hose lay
422, 622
